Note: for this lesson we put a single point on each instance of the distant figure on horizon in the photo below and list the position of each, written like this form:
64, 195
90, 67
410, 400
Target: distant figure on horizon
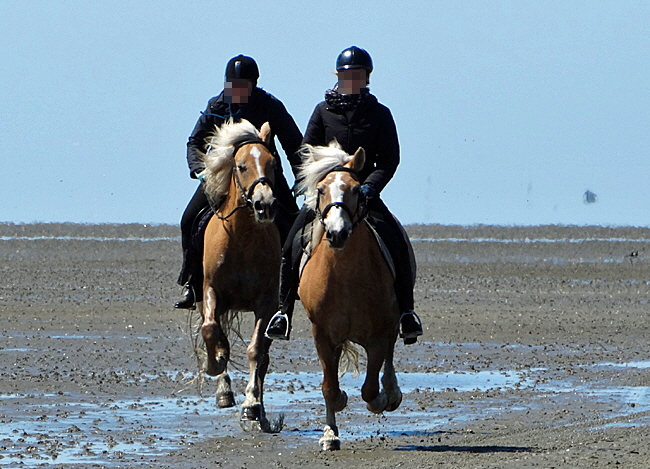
589, 197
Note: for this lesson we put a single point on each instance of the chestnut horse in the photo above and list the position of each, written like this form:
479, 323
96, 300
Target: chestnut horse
241, 260
346, 286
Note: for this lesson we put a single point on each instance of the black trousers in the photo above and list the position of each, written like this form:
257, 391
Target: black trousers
388, 229
192, 269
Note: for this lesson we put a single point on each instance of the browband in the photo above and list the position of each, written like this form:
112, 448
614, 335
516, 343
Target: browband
247, 142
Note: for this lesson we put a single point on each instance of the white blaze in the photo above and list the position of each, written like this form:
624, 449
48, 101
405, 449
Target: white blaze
255, 153
335, 221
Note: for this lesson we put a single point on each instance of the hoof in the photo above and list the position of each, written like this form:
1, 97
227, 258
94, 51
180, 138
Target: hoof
263, 425
253, 413
393, 405
378, 404
251, 426
329, 441
226, 400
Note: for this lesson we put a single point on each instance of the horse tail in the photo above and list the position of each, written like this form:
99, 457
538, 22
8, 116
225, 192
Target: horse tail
231, 323
349, 359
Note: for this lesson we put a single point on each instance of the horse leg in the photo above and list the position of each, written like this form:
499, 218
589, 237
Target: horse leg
258, 361
216, 342
335, 399
389, 383
376, 401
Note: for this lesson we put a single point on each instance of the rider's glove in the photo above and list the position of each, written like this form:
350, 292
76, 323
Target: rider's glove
368, 191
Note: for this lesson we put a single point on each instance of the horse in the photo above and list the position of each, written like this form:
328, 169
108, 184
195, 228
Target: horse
346, 285
241, 260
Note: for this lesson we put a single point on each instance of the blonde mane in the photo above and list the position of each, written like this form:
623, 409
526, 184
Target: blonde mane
219, 161
316, 163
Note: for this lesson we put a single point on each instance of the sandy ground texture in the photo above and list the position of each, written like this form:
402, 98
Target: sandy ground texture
535, 354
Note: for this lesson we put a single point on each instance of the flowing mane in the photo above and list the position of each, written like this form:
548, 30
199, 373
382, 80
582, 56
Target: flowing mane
219, 161
316, 163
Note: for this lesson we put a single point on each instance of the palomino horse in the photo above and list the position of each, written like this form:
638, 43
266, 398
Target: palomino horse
346, 285
241, 260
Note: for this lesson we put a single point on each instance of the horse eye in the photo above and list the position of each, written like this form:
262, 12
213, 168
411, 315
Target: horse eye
241, 167
320, 190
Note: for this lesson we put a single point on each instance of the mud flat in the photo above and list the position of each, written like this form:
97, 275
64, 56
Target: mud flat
535, 354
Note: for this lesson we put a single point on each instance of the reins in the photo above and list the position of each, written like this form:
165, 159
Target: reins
246, 195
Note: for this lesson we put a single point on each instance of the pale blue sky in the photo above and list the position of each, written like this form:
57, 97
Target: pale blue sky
507, 111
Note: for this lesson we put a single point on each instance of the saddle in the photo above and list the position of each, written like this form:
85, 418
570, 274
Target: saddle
198, 228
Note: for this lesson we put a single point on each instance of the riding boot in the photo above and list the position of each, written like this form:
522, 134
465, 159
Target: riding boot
410, 327
188, 300
191, 278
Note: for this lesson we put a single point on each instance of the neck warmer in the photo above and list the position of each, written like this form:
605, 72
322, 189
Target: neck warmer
345, 102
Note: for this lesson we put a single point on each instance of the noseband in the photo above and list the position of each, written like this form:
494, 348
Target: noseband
246, 194
322, 214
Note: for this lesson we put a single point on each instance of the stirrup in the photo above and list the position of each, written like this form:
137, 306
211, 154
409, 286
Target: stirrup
410, 337
279, 327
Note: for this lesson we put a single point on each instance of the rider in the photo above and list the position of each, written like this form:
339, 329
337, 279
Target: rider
240, 99
354, 117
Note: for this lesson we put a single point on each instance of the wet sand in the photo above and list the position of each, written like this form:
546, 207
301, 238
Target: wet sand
535, 354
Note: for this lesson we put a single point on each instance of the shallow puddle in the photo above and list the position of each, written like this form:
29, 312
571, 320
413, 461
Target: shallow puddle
67, 428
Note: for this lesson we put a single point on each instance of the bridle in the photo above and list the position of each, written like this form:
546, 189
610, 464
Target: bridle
360, 211
246, 194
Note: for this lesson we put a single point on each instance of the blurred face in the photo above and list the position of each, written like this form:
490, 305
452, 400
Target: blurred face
238, 92
352, 81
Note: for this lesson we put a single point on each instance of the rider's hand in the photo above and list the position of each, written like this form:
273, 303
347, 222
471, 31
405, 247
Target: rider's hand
368, 191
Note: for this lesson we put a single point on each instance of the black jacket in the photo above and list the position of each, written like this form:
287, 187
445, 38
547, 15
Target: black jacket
371, 127
262, 107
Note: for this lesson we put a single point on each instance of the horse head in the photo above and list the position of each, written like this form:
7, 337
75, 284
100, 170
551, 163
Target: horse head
255, 174
339, 200
240, 163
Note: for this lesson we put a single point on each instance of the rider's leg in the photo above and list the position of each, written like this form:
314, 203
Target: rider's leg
287, 208
280, 325
390, 231
191, 276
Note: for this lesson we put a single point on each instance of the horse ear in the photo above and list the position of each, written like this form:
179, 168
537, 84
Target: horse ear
358, 159
265, 133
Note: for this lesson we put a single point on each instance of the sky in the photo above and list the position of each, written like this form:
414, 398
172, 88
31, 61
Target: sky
507, 111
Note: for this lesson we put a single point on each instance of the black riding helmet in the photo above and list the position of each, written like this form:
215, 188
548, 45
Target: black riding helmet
242, 68
354, 57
